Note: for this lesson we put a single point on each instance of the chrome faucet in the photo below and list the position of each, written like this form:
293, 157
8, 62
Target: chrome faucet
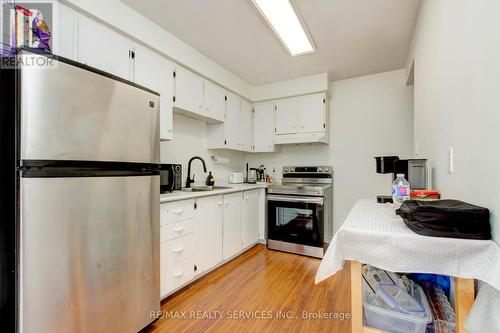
190, 180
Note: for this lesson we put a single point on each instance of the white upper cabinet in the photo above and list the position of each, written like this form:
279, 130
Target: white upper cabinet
312, 115
301, 119
246, 127
198, 98
236, 133
104, 48
155, 72
232, 124
287, 116
263, 127
214, 101
188, 91
65, 36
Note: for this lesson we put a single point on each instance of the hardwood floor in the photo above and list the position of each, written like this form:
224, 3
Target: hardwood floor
260, 283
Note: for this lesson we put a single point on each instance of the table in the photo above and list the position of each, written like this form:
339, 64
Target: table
373, 234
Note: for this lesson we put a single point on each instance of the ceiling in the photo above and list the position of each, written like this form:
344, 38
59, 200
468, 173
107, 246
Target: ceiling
352, 37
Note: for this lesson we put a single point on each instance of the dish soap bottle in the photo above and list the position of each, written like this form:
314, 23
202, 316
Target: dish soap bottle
210, 179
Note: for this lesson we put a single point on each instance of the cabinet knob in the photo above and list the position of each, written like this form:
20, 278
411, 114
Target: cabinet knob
178, 274
226, 203
219, 203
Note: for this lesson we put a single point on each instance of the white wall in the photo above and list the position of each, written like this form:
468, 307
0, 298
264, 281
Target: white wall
457, 87
369, 116
190, 139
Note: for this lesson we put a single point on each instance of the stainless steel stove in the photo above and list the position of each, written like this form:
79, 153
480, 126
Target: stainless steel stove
299, 211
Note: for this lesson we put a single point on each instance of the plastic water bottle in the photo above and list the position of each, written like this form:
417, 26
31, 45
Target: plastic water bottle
400, 190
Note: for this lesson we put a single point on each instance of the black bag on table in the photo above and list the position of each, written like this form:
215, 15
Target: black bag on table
446, 218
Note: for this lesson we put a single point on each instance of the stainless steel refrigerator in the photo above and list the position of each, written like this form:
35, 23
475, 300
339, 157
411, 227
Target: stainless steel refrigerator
79, 201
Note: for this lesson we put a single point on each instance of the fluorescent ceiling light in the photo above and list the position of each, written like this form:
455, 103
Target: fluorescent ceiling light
285, 22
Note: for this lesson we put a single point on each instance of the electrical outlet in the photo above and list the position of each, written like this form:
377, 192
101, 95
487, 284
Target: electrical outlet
450, 160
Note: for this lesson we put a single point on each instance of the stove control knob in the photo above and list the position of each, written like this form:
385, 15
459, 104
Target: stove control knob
320, 170
327, 170
292, 170
286, 170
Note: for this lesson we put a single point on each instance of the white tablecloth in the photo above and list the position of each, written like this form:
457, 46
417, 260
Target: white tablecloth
374, 234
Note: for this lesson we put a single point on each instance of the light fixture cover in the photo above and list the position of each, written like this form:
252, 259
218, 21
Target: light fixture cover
284, 20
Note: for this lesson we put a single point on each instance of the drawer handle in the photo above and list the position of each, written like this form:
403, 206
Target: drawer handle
178, 211
178, 274
180, 229
219, 203
178, 250
226, 203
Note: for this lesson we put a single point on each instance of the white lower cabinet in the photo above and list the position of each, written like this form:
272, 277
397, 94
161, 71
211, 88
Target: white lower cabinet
208, 234
176, 263
196, 235
232, 225
251, 201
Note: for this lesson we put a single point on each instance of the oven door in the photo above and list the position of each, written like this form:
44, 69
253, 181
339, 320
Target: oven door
295, 219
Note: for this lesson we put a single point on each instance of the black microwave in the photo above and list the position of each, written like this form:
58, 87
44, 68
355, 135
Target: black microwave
170, 177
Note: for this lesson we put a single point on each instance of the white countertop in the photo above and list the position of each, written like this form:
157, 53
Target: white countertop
184, 195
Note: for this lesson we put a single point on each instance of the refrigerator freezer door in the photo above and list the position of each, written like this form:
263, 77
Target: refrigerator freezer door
70, 113
89, 256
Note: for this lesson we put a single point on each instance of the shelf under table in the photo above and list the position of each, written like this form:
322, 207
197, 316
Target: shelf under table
464, 298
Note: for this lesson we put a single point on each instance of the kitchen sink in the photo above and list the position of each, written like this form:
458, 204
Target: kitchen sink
205, 188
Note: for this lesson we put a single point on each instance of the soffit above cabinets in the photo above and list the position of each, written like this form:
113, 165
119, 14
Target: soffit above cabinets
352, 38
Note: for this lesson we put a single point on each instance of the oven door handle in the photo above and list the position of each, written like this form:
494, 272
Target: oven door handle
283, 198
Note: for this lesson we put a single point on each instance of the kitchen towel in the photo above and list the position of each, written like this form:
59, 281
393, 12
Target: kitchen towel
375, 235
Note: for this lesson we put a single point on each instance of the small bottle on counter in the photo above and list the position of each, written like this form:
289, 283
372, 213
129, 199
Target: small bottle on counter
210, 179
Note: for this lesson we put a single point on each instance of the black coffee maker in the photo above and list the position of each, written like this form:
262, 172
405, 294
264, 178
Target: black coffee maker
415, 171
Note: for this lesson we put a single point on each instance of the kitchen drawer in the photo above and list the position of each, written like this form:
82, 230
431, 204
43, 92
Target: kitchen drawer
176, 230
176, 250
174, 276
176, 211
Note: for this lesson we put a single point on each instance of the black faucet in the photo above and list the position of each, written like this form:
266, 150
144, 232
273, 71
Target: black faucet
189, 181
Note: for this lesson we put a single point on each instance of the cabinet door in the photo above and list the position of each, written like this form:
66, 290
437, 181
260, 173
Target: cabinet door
263, 127
155, 72
65, 36
188, 91
287, 116
214, 97
250, 218
246, 126
232, 123
312, 113
208, 233
103, 48
232, 225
